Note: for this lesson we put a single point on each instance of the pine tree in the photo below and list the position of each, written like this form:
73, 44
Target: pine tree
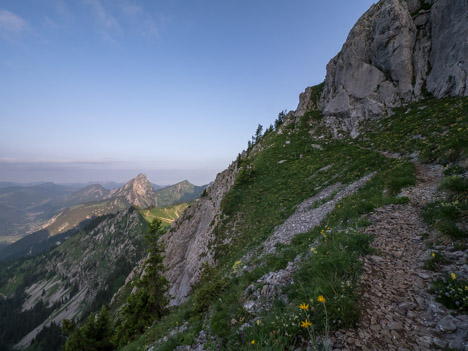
258, 133
94, 335
149, 302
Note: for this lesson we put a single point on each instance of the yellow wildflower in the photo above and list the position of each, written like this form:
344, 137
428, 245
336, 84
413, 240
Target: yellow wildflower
433, 254
328, 228
258, 321
305, 324
253, 342
236, 267
313, 250
303, 306
453, 276
321, 299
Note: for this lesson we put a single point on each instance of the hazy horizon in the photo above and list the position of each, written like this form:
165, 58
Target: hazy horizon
76, 173
101, 89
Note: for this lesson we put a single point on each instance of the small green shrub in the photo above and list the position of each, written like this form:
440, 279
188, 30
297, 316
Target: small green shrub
452, 292
444, 216
455, 184
435, 261
454, 170
211, 285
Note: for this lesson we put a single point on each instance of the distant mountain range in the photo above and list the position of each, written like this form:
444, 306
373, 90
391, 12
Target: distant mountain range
28, 207
59, 214
76, 276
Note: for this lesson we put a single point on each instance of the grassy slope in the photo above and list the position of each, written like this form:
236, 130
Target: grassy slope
437, 129
166, 214
73, 216
178, 193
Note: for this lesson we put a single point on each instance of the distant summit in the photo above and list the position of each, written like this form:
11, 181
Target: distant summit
138, 192
183, 191
95, 192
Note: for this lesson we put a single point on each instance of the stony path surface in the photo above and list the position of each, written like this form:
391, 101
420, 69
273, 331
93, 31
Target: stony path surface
307, 216
397, 311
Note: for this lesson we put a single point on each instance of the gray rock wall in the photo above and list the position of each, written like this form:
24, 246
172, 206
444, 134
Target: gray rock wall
395, 51
188, 238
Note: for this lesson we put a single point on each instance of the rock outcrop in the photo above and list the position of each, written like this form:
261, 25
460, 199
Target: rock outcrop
396, 52
138, 192
187, 241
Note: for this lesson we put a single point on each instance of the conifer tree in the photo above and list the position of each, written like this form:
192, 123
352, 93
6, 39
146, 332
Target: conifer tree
149, 302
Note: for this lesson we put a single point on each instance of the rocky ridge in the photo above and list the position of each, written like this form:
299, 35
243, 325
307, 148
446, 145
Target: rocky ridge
187, 241
395, 53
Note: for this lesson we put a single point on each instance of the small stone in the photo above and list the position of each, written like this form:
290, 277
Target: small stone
407, 306
395, 326
424, 275
446, 324
377, 259
440, 343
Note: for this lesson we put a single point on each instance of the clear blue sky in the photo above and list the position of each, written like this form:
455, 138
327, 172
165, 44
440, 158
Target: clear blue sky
105, 89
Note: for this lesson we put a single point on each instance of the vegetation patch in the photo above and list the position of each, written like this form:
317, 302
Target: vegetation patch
166, 215
452, 292
291, 167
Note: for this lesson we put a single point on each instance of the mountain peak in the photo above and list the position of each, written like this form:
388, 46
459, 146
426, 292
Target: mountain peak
140, 177
138, 192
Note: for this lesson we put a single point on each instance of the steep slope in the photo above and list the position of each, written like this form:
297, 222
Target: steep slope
289, 226
78, 276
78, 215
189, 237
181, 192
138, 192
397, 51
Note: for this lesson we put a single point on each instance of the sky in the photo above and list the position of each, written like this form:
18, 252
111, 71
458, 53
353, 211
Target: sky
94, 90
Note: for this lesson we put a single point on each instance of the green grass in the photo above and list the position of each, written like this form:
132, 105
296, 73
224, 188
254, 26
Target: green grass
446, 215
267, 192
166, 214
436, 129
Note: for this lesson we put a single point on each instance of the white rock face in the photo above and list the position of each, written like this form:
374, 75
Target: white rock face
188, 238
395, 51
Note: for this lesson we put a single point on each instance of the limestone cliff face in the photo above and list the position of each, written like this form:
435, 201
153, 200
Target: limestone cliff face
395, 51
187, 241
